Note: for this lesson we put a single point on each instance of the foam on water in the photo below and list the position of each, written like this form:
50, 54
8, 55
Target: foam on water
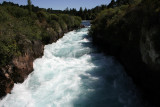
73, 74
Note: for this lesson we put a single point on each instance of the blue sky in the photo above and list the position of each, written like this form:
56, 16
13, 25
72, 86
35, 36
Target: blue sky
62, 4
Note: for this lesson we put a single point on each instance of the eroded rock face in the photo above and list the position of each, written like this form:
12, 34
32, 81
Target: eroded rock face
150, 55
23, 65
20, 68
6, 85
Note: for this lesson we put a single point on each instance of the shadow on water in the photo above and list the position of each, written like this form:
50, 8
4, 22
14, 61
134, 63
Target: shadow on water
106, 85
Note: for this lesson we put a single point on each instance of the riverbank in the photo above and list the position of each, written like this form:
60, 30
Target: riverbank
22, 39
131, 34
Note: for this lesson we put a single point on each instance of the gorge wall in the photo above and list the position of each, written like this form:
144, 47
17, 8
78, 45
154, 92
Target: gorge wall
131, 34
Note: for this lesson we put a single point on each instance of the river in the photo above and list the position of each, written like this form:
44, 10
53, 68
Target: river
72, 73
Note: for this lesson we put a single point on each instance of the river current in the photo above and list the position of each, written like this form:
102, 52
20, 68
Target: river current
72, 73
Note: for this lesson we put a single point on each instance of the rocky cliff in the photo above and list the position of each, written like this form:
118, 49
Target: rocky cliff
19, 68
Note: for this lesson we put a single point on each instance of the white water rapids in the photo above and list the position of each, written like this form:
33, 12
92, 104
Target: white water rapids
72, 73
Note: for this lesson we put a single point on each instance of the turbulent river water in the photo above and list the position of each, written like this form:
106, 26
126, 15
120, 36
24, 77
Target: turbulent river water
72, 73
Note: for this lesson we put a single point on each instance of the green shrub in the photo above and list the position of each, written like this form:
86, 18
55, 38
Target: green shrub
17, 11
69, 20
42, 15
49, 36
62, 24
53, 17
77, 21
8, 49
56, 26
4, 16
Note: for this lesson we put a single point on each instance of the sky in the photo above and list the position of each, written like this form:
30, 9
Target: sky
62, 4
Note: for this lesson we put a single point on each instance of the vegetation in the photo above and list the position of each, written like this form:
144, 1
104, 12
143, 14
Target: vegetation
85, 14
20, 25
30, 6
124, 21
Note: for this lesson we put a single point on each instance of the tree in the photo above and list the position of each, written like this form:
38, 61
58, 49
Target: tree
30, 6
80, 11
85, 10
112, 4
124, 2
67, 10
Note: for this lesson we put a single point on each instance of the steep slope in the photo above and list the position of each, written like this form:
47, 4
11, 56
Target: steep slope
132, 34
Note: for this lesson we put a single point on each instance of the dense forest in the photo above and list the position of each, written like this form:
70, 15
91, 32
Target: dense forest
130, 31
